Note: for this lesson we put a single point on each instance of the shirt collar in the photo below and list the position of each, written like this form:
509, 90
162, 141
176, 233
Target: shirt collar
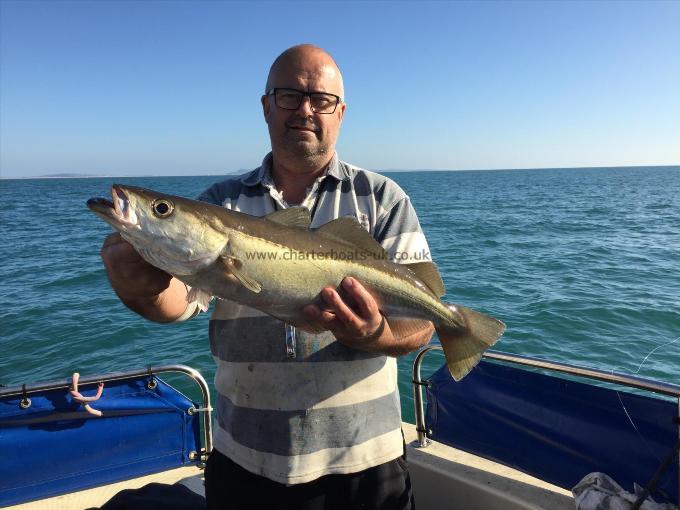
263, 174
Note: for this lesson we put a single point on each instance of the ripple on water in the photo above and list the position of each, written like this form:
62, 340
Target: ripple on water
580, 264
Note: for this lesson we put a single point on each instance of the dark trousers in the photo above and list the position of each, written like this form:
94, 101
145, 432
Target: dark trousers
383, 487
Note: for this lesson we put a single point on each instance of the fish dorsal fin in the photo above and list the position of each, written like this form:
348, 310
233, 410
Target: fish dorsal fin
348, 230
292, 217
428, 273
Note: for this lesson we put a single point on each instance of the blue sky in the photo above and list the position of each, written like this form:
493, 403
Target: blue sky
173, 88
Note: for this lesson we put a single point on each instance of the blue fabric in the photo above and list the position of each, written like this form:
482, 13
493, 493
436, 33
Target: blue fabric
553, 428
55, 447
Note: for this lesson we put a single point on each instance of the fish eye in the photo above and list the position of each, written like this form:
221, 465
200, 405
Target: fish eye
162, 208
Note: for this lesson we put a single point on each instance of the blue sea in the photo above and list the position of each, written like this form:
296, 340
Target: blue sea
583, 265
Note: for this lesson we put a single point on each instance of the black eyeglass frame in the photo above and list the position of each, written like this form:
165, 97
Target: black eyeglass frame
338, 99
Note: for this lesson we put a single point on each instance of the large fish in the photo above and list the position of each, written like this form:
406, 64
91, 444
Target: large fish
277, 264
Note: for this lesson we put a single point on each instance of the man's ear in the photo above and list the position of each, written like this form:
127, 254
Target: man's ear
266, 107
341, 110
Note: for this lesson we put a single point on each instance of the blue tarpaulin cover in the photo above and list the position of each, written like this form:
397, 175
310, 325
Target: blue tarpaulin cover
553, 428
55, 447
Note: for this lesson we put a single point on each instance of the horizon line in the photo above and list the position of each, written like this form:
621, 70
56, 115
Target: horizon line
75, 175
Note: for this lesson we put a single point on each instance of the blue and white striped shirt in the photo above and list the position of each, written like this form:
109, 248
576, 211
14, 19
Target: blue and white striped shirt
294, 406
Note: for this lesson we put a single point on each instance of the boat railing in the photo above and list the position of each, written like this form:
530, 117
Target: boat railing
631, 381
205, 410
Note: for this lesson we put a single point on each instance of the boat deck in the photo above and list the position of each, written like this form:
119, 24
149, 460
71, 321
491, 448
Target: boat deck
192, 476
443, 477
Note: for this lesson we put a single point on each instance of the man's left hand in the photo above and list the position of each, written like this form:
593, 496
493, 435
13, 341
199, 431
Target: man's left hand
361, 327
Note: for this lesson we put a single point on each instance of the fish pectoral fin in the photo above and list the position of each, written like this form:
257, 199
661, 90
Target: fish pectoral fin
234, 267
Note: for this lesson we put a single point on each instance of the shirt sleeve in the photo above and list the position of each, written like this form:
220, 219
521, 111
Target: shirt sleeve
399, 232
211, 195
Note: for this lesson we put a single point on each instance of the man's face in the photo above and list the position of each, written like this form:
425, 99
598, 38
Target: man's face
302, 134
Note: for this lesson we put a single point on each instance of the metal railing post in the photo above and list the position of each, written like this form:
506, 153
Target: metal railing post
418, 384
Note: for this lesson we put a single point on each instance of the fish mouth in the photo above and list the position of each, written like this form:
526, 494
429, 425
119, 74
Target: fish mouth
116, 211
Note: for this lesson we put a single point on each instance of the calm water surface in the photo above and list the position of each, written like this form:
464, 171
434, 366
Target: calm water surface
582, 264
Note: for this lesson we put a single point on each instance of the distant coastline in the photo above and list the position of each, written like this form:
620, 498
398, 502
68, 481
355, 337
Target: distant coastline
390, 170
59, 176
110, 176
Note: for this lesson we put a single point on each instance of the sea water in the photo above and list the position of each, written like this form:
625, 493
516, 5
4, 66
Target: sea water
583, 265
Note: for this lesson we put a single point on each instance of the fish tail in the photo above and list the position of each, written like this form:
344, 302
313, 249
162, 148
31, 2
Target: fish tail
466, 338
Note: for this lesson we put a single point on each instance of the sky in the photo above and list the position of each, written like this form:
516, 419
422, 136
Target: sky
173, 87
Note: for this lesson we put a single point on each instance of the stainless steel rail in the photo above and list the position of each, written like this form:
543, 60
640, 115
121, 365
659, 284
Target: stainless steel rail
610, 377
118, 376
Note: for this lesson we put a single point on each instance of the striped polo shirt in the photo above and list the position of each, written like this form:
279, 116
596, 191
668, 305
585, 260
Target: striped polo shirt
294, 406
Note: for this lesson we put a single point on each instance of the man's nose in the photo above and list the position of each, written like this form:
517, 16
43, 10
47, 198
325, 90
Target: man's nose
305, 106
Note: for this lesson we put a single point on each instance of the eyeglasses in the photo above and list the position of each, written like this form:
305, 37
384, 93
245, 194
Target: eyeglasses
291, 99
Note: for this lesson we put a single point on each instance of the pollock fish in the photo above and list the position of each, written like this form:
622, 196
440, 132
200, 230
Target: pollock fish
278, 264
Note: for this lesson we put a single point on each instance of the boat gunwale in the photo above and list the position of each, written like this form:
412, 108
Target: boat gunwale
206, 407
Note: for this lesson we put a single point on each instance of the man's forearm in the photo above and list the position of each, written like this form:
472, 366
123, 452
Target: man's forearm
167, 306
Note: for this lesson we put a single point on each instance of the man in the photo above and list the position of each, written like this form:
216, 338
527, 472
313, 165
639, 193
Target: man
304, 421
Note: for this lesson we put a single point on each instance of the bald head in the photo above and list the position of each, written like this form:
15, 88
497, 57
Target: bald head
310, 59
303, 139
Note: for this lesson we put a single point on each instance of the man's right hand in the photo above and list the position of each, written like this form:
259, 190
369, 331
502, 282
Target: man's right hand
145, 289
130, 275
